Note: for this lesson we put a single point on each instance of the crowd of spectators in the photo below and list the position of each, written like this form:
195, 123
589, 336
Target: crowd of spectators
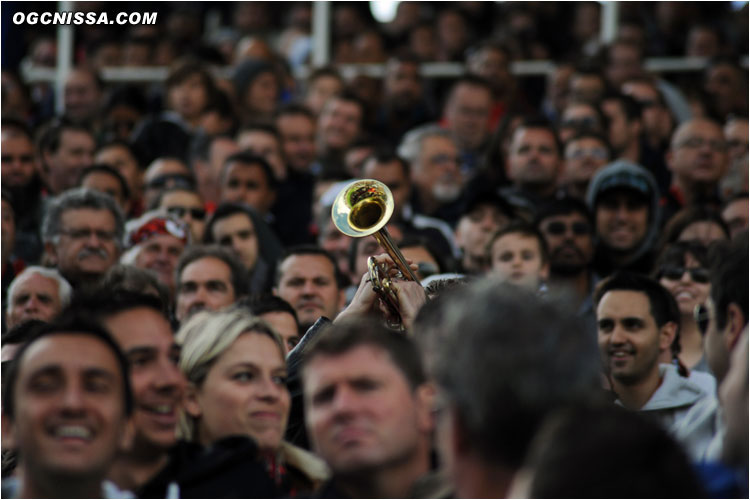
182, 317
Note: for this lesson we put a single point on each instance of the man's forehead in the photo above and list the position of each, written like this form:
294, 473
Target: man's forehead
36, 281
360, 361
208, 268
140, 327
64, 348
308, 265
627, 302
86, 214
563, 217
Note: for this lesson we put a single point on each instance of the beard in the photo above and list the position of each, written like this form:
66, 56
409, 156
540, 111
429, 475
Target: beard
446, 193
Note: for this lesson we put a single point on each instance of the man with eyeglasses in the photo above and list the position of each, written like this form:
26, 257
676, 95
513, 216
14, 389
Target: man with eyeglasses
82, 234
584, 154
697, 158
721, 321
567, 227
637, 320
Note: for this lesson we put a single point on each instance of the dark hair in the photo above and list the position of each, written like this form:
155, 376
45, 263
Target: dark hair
124, 145
687, 216
522, 228
223, 211
126, 95
630, 107
104, 302
412, 240
18, 125
567, 457
349, 96
662, 304
267, 303
505, 360
294, 109
70, 323
676, 253
539, 122
729, 280
341, 280
106, 169
48, 138
238, 273
22, 332
340, 338
471, 80
323, 71
123, 278
591, 134
564, 206
184, 69
247, 158
388, 155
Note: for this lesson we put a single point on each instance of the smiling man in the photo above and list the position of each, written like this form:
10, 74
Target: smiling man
309, 280
637, 319
624, 199
145, 336
368, 410
65, 409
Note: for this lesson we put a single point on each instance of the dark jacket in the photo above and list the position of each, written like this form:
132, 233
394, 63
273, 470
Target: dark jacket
230, 468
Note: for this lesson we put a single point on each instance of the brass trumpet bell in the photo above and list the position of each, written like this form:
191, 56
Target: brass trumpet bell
362, 208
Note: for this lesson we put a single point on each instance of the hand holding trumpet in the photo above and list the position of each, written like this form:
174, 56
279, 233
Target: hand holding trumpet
410, 296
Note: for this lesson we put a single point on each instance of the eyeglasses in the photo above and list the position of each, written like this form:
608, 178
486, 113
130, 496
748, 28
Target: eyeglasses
172, 180
585, 123
596, 153
702, 318
84, 233
180, 212
560, 228
698, 142
697, 274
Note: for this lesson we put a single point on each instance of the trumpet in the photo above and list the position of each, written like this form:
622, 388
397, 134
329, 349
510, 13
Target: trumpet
363, 208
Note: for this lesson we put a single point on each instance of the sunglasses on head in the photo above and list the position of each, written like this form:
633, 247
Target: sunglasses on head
702, 318
560, 228
179, 212
697, 274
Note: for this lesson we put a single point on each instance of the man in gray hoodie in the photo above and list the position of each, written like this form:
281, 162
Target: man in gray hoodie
637, 319
624, 199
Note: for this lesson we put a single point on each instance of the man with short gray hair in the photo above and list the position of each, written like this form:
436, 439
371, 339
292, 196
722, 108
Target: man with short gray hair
435, 172
82, 234
506, 361
37, 293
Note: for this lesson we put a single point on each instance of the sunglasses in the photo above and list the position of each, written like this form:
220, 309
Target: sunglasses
560, 228
697, 274
180, 212
172, 180
702, 318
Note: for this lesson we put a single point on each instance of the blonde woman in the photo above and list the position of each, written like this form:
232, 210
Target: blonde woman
236, 372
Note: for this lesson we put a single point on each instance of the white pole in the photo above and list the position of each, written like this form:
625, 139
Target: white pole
64, 57
609, 20
321, 33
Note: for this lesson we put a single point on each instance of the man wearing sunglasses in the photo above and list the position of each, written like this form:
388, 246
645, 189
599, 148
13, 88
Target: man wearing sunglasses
187, 205
637, 320
567, 227
721, 321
